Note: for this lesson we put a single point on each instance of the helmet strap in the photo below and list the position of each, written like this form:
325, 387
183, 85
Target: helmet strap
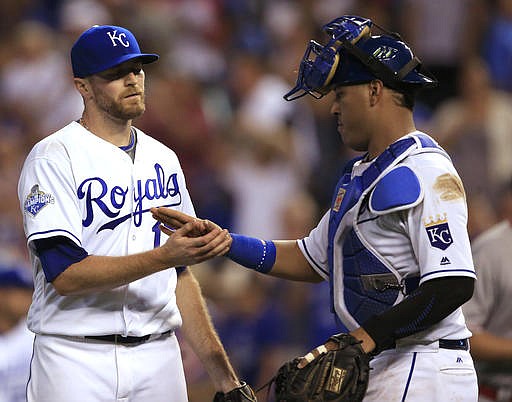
411, 65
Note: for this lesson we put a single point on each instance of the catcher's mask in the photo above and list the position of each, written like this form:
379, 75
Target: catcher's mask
354, 56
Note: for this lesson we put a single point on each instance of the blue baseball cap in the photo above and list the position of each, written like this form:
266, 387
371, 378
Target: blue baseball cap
105, 46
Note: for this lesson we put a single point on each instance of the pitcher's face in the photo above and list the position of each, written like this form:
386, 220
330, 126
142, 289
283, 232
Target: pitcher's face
119, 91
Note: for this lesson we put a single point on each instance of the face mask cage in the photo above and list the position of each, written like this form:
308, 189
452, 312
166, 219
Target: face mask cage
317, 66
319, 62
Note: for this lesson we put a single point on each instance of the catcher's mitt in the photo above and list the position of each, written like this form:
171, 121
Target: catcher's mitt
243, 393
339, 375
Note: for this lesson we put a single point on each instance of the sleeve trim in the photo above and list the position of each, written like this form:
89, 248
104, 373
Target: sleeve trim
53, 232
441, 271
311, 260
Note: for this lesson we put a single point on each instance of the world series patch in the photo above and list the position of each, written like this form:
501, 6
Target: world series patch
37, 200
438, 232
339, 199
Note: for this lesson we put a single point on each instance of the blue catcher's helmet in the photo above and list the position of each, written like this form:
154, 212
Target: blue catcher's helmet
354, 56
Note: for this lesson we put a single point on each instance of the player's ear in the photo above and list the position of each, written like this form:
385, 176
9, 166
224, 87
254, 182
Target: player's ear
375, 91
82, 86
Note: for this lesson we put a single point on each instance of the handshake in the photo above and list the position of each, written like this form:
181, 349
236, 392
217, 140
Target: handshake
173, 220
198, 240
191, 240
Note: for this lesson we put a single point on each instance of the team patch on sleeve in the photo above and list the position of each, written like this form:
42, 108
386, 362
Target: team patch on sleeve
438, 232
37, 200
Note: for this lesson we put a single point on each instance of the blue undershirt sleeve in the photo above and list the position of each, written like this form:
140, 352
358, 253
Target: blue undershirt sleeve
57, 254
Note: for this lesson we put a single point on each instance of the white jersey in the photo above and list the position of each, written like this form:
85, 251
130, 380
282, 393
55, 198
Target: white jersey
409, 221
77, 185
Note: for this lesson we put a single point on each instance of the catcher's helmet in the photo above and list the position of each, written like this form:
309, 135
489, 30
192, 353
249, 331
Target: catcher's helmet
354, 56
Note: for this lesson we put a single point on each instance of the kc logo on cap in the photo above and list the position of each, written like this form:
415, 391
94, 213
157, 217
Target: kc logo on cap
105, 46
121, 38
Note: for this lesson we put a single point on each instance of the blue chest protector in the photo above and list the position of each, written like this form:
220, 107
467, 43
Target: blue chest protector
369, 286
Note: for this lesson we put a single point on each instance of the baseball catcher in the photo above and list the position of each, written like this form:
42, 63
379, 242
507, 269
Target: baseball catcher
393, 245
337, 371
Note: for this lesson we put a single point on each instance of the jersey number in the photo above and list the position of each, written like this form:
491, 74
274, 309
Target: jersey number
158, 234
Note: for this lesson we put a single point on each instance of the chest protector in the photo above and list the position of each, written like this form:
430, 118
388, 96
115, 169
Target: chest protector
370, 287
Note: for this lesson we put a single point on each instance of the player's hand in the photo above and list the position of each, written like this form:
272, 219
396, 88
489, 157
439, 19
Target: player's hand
181, 248
175, 219
191, 240
367, 344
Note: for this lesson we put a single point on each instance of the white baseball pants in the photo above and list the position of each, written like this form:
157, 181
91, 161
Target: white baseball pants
71, 369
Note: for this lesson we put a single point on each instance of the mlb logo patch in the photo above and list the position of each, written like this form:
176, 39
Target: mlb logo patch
438, 232
37, 200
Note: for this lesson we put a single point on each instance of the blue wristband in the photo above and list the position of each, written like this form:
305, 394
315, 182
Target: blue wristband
253, 253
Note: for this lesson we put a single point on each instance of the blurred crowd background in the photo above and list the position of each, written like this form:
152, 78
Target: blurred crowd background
254, 163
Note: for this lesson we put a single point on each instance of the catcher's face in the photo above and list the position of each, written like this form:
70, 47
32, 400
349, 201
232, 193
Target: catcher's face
351, 110
119, 91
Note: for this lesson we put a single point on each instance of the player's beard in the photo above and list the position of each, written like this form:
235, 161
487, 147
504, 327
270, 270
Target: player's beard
121, 108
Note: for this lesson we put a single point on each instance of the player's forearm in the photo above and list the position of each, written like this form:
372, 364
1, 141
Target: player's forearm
199, 332
487, 346
367, 342
291, 263
100, 273
431, 302
280, 258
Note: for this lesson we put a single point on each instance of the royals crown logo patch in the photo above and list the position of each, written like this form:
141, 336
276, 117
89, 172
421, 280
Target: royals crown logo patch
438, 232
37, 200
